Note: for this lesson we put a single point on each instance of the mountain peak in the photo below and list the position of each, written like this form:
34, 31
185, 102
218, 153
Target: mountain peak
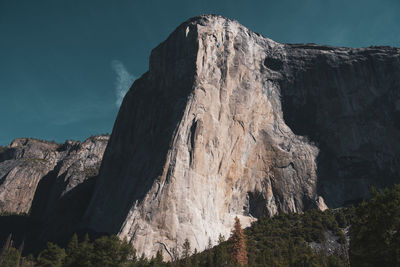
224, 124
228, 123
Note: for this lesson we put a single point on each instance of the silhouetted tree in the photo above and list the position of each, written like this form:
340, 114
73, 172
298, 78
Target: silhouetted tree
238, 241
186, 249
209, 245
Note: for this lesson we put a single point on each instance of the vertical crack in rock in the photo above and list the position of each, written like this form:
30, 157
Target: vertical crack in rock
192, 139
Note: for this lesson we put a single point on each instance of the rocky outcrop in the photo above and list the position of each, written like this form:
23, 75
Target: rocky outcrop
229, 123
51, 183
27, 164
23, 164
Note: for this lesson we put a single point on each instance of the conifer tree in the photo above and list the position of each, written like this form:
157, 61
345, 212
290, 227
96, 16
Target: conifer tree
186, 248
186, 252
238, 241
156, 261
79, 254
52, 256
210, 258
72, 245
195, 258
142, 260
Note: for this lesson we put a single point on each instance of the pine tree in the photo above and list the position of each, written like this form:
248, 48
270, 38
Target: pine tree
156, 261
209, 246
238, 240
195, 258
107, 251
72, 252
186, 248
142, 260
186, 252
210, 258
126, 251
72, 245
52, 256
29, 261
79, 254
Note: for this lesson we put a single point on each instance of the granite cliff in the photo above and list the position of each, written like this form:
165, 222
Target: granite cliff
27, 162
229, 123
225, 123
50, 183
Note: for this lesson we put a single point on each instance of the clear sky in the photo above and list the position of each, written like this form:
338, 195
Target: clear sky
65, 65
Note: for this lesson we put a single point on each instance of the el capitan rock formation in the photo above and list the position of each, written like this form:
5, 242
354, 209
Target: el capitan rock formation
225, 123
229, 123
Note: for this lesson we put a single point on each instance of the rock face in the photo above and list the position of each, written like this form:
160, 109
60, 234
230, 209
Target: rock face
22, 165
347, 101
32, 169
27, 163
228, 123
52, 183
225, 123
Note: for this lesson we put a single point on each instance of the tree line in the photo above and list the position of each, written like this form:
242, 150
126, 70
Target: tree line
283, 240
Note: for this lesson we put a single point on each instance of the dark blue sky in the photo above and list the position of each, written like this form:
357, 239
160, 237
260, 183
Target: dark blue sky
65, 64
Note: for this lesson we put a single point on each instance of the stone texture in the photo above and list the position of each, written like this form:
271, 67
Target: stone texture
229, 123
23, 163
52, 183
347, 101
32, 170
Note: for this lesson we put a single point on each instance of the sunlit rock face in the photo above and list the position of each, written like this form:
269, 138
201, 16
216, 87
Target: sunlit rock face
229, 123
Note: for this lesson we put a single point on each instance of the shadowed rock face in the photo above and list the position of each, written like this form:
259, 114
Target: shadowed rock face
228, 123
36, 174
22, 165
51, 182
347, 101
